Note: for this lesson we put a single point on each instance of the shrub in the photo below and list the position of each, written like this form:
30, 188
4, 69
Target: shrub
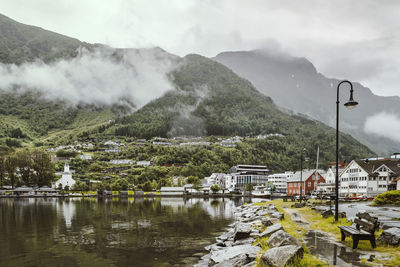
215, 188
388, 198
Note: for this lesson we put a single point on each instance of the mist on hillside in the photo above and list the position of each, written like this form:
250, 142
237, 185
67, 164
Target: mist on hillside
104, 76
384, 124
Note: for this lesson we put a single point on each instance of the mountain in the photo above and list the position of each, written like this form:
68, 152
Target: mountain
21, 43
294, 84
205, 98
210, 99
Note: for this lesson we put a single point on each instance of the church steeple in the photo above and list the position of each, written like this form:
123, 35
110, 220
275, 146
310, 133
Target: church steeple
66, 166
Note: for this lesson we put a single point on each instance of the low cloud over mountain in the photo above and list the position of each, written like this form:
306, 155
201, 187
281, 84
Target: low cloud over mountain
384, 124
103, 76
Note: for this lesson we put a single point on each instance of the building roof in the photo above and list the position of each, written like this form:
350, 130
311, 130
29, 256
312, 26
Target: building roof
23, 189
45, 189
172, 189
371, 165
306, 175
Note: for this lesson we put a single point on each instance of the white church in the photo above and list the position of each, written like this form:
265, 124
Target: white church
66, 178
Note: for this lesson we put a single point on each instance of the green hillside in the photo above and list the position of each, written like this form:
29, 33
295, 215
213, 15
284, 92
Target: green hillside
21, 43
212, 100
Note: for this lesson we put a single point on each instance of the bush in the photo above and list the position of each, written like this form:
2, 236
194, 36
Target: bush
66, 153
388, 198
215, 188
120, 184
80, 186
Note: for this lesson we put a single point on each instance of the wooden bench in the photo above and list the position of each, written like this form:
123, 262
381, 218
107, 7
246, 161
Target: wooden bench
366, 225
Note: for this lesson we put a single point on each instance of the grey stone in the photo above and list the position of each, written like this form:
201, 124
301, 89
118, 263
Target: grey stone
232, 252
389, 224
327, 213
226, 236
277, 215
237, 261
281, 238
242, 230
271, 229
248, 240
266, 221
251, 264
390, 236
282, 256
299, 205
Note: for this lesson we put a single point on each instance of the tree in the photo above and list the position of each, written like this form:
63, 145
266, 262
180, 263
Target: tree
24, 165
43, 168
249, 187
147, 186
62, 153
10, 165
80, 186
2, 171
215, 188
120, 184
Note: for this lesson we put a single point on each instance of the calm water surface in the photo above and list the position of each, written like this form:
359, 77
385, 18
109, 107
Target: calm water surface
109, 232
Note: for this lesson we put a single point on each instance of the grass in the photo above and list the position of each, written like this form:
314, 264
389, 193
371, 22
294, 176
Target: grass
293, 229
317, 222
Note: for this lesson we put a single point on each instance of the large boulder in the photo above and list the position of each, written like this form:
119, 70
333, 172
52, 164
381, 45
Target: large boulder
249, 251
277, 215
282, 256
299, 204
242, 230
390, 236
237, 261
281, 238
226, 236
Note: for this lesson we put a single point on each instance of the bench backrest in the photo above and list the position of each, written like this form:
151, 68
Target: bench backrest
366, 222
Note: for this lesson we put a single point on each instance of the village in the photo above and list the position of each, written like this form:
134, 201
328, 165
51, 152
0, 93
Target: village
103, 164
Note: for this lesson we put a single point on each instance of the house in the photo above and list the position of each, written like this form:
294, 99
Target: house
23, 190
397, 181
121, 162
249, 174
369, 177
279, 180
330, 177
172, 191
218, 179
143, 163
85, 157
307, 180
66, 179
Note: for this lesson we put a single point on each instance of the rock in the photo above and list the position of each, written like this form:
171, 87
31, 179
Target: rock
327, 213
232, 252
390, 236
251, 264
237, 261
242, 230
248, 240
282, 256
226, 236
342, 214
271, 229
266, 221
299, 205
213, 247
389, 224
277, 215
281, 238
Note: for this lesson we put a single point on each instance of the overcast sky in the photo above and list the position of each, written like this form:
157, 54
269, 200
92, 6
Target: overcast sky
353, 39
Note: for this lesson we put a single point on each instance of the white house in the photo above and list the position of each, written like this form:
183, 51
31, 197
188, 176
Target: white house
369, 177
217, 178
66, 178
279, 180
245, 174
329, 186
144, 163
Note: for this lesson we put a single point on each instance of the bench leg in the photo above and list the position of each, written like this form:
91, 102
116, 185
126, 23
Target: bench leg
343, 235
355, 242
373, 244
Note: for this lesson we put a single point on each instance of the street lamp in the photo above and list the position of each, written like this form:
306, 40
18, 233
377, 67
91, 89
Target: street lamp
350, 105
301, 173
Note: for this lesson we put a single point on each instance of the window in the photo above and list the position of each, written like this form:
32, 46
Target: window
309, 183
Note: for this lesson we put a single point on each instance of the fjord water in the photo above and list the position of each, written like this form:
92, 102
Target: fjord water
109, 232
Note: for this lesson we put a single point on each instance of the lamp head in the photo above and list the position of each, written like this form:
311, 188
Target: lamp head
351, 103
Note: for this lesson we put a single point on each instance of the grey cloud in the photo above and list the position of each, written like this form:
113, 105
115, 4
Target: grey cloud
105, 76
384, 124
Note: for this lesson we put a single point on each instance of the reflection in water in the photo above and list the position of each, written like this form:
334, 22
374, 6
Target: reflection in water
320, 244
104, 232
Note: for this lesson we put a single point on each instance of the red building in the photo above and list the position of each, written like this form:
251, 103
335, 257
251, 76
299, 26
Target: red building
310, 179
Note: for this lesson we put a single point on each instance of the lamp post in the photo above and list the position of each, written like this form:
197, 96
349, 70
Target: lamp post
350, 105
301, 173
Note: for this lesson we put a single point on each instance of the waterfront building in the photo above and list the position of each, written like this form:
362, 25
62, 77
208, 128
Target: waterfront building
66, 179
218, 179
249, 174
172, 191
329, 186
309, 180
369, 177
279, 180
